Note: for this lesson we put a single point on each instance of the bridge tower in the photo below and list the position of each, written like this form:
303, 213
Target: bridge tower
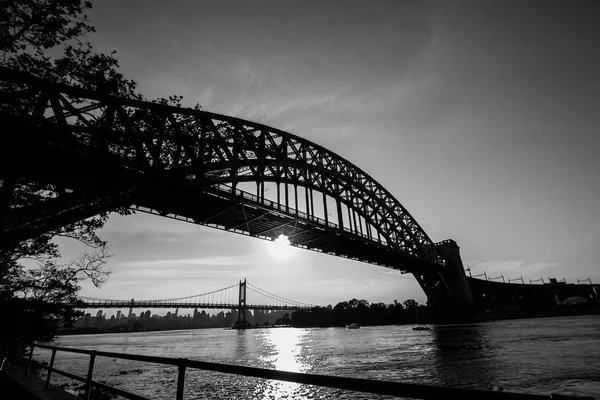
130, 308
449, 295
241, 322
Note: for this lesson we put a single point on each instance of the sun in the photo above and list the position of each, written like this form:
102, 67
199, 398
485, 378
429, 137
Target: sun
280, 248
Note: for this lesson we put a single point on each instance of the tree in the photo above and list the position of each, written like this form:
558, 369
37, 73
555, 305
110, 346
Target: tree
362, 304
37, 300
342, 305
410, 304
44, 38
41, 25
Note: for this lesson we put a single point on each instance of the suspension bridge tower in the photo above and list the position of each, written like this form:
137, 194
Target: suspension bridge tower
241, 322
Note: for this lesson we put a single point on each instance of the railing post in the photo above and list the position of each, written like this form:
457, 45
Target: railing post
88, 383
29, 360
50, 369
180, 380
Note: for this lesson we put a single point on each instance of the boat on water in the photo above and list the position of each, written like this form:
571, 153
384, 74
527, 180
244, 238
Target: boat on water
419, 327
353, 325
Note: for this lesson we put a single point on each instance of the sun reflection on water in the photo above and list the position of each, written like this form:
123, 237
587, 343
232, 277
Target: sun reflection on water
285, 355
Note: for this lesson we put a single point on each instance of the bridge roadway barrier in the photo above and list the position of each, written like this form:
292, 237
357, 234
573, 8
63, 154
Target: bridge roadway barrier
396, 389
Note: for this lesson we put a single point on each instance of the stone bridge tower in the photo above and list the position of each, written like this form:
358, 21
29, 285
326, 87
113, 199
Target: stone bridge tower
449, 295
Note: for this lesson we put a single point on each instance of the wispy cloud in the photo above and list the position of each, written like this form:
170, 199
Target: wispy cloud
328, 283
200, 261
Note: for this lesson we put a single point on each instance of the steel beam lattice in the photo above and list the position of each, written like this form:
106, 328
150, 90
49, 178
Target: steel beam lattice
187, 164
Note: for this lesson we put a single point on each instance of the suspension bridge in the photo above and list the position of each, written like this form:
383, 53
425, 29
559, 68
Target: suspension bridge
242, 296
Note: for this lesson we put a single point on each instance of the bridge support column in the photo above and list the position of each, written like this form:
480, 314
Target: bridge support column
449, 295
241, 322
130, 308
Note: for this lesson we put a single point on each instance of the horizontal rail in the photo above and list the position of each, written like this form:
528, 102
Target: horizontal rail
61, 372
398, 389
103, 386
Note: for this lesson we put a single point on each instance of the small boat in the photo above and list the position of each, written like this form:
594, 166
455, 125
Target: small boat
353, 325
419, 327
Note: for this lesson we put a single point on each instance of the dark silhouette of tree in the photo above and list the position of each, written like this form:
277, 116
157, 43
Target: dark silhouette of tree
45, 38
410, 304
347, 312
353, 304
41, 25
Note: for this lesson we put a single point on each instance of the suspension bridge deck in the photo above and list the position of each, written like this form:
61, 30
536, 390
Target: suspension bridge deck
254, 297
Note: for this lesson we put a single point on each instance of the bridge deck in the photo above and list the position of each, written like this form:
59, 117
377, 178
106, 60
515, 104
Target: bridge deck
240, 213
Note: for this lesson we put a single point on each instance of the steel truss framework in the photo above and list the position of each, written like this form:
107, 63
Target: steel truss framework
100, 152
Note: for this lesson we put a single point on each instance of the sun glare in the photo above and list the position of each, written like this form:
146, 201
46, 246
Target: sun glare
280, 248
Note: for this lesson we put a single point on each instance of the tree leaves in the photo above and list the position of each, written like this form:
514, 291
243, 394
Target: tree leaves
41, 25
36, 288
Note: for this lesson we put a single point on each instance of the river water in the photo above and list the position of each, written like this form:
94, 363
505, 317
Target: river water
543, 355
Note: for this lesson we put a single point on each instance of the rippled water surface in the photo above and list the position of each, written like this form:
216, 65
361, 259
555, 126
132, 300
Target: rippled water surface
544, 355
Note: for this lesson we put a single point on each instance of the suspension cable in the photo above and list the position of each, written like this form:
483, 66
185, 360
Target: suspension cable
275, 297
173, 299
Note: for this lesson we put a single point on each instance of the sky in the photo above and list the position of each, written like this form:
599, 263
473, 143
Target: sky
481, 117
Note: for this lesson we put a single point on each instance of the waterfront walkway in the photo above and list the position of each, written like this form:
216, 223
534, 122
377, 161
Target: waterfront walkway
14, 382
15, 385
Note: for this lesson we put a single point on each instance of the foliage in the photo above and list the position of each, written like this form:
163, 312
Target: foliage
36, 299
41, 25
44, 38
347, 312
410, 304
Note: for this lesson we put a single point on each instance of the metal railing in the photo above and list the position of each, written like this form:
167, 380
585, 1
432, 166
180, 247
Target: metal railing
531, 281
397, 389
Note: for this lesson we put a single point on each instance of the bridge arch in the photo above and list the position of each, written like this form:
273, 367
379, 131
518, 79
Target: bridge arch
157, 141
249, 152
173, 161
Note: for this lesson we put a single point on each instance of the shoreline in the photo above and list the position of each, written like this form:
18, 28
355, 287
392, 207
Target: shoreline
489, 316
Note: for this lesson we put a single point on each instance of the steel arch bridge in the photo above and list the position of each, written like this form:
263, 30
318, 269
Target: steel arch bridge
97, 152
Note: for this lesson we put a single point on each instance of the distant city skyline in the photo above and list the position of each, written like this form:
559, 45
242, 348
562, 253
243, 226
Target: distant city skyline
165, 319
480, 117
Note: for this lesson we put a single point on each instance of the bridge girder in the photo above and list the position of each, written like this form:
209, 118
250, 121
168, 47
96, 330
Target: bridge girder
145, 149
